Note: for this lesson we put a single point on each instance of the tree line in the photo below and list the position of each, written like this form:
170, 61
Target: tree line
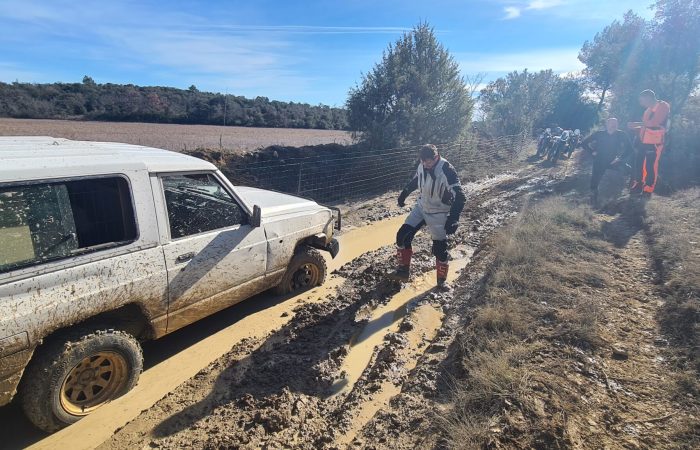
528, 101
416, 93
626, 57
130, 103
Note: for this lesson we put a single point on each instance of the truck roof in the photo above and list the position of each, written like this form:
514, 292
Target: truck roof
42, 157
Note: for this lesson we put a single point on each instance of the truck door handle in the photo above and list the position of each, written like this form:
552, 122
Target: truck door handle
184, 257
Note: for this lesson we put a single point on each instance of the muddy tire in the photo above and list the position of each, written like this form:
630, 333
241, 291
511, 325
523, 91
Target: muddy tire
77, 374
306, 270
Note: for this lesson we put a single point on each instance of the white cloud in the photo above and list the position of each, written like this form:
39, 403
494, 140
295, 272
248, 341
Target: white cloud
543, 4
302, 29
511, 12
515, 11
560, 60
602, 11
261, 60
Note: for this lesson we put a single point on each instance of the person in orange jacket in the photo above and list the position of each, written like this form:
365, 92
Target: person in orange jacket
649, 142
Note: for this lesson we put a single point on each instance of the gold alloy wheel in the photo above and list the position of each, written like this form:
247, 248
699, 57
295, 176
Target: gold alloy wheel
93, 382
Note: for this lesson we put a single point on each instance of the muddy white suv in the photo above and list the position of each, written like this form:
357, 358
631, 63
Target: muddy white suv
103, 245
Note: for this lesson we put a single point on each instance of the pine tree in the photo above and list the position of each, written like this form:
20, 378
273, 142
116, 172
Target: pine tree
415, 95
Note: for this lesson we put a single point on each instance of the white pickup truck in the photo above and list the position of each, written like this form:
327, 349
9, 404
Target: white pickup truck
103, 245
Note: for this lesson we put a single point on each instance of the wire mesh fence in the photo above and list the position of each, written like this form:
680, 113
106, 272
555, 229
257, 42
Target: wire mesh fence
352, 172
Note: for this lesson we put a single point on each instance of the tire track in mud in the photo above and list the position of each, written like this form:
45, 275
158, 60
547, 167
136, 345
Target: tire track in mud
413, 418
284, 392
422, 323
163, 378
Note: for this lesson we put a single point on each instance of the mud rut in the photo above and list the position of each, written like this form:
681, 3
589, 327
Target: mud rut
364, 364
349, 369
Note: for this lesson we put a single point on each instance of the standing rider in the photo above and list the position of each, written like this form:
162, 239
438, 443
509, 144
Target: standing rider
649, 143
439, 205
610, 147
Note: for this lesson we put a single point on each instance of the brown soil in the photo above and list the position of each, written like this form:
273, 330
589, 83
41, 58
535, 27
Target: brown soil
322, 378
173, 137
370, 364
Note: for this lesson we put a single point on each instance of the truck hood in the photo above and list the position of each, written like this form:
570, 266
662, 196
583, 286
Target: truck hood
276, 203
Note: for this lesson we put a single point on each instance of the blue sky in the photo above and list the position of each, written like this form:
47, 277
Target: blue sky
308, 51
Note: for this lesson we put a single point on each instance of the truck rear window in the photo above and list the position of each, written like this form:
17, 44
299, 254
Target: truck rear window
48, 221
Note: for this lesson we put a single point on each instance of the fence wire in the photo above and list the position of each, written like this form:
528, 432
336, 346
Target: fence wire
353, 173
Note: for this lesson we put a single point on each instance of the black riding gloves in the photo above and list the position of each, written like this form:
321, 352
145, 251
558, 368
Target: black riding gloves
402, 198
451, 225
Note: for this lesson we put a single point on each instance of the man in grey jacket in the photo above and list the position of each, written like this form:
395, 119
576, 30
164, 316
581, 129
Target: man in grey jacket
440, 202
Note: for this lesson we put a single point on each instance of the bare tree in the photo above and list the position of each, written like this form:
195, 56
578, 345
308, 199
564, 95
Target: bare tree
474, 83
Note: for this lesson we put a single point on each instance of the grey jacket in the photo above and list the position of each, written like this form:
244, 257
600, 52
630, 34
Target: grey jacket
439, 189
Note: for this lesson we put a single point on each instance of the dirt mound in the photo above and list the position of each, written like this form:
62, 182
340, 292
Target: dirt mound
339, 173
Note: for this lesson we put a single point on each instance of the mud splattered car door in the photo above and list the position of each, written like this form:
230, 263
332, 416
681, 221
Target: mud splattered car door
214, 256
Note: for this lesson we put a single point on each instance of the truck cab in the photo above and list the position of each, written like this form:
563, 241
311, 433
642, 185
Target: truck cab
105, 245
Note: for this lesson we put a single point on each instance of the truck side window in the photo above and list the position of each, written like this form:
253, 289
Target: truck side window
198, 203
48, 221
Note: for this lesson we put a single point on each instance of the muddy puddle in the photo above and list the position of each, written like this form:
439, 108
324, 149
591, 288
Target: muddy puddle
386, 319
357, 241
164, 377
418, 321
425, 321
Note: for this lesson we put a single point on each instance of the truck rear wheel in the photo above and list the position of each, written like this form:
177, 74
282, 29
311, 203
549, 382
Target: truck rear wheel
306, 270
74, 376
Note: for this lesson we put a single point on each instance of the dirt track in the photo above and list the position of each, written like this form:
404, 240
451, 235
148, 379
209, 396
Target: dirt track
320, 378
364, 363
351, 363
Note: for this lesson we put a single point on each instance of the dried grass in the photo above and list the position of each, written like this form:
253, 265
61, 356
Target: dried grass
532, 298
674, 230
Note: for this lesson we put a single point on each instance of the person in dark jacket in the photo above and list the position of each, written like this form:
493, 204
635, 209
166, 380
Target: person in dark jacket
440, 202
610, 148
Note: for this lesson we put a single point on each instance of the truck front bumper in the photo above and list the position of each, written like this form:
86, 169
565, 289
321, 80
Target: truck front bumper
339, 219
333, 247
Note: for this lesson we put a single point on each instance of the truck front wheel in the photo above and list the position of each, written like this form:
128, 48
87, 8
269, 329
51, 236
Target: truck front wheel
75, 375
306, 270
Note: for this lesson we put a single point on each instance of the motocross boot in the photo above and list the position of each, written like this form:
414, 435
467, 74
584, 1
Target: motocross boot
441, 267
403, 268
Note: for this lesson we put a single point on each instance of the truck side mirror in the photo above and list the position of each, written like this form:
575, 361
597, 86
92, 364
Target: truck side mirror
256, 218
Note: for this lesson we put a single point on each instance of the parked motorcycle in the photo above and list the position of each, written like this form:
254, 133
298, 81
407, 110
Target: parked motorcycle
574, 142
559, 146
544, 142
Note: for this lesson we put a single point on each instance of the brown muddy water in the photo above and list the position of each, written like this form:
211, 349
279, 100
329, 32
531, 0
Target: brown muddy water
385, 319
169, 373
